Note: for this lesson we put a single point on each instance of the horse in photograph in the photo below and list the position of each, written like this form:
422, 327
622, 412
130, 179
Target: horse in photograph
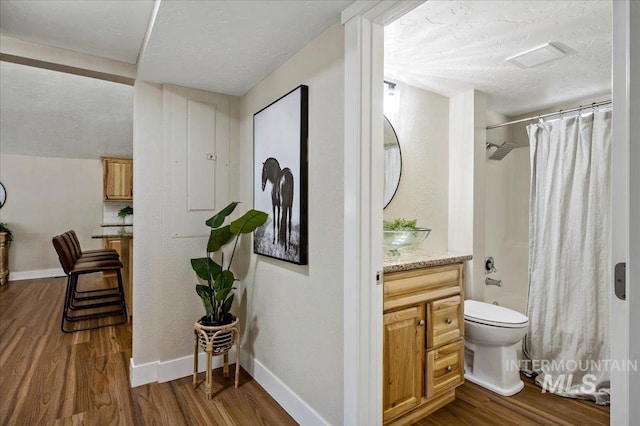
271, 172
281, 198
286, 201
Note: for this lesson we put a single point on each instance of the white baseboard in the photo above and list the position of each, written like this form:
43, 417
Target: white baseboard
32, 275
287, 398
165, 371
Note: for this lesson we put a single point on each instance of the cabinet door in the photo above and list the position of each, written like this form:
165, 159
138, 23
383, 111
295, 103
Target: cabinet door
403, 360
115, 244
118, 179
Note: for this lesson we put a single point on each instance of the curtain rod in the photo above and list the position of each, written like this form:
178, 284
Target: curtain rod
581, 107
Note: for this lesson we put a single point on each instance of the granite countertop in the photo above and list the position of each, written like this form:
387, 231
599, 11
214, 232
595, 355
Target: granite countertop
113, 231
418, 258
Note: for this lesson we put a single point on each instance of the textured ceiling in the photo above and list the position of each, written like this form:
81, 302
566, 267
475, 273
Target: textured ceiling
229, 46
448, 47
111, 29
51, 114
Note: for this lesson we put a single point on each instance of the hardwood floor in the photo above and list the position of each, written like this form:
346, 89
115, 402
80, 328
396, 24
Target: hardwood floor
475, 405
48, 377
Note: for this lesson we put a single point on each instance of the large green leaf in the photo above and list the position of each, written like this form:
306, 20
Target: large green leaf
222, 294
226, 306
205, 294
218, 219
249, 222
224, 281
205, 267
218, 238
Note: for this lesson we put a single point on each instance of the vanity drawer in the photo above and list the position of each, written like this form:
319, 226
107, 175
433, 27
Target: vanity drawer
445, 368
446, 321
421, 285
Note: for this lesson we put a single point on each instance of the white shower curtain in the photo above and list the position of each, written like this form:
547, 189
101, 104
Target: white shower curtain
569, 256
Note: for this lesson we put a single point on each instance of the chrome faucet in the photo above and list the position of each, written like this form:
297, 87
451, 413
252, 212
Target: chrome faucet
491, 281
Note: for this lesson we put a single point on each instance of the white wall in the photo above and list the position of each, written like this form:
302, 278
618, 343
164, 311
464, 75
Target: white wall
293, 314
45, 197
507, 219
467, 138
422, 125
164, 297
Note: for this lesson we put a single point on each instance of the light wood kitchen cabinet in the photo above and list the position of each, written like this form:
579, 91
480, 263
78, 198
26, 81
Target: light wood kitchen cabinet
118, 178
423, 341
124, 247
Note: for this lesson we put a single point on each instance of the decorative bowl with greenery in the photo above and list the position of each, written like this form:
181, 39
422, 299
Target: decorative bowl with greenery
403, 234
125, 211
6, 230
217, 295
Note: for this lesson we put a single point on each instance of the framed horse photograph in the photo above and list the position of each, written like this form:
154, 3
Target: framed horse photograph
280, 132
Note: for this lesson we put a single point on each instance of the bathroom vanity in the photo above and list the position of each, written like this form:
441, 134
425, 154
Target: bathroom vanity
423, 334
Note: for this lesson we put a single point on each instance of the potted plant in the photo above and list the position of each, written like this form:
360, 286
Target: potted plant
124, 212
217, 294
5, 241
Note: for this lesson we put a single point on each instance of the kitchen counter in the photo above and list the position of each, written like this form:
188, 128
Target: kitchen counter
418, 258
113, 232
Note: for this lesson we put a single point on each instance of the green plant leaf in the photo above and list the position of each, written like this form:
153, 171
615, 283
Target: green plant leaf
249, 222
205, 294
218, 238
226, 306
224, 281
204, 266
218, 219
222, 294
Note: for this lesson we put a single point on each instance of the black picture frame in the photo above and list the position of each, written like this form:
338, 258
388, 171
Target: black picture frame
280, 176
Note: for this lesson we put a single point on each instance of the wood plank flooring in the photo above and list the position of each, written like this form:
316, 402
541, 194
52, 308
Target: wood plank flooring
48, 377
51, 378
475, 405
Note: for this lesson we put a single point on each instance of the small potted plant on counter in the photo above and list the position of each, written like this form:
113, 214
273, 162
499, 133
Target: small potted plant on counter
124, 213
218, 331
5, 241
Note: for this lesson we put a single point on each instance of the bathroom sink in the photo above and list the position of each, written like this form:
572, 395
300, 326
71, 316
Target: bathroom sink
394, 241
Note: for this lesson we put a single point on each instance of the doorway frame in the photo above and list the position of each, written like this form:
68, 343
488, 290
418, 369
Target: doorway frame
364, 67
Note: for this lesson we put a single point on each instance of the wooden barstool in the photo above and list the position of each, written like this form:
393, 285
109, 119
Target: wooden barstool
215, 341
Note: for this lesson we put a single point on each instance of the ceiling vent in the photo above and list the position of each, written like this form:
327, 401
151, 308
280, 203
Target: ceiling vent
537, 56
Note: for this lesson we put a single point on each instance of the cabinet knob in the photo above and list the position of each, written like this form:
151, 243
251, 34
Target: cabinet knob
421, 322
449, 321
449, 368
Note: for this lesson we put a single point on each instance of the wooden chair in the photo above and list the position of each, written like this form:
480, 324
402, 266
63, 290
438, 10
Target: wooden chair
74, 266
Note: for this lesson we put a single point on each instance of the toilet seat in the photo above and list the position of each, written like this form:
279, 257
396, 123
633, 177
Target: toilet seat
493, 315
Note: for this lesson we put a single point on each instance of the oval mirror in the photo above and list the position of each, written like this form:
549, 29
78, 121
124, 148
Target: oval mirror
392, 162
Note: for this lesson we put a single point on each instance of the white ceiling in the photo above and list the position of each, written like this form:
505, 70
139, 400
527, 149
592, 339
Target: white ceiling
229, 46
110, 29
52, 114
220, 46
448, 47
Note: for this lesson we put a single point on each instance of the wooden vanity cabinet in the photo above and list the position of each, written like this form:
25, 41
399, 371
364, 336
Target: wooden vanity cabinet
423, 341
117, 178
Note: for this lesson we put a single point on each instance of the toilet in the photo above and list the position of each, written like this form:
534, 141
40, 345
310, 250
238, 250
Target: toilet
492, 339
